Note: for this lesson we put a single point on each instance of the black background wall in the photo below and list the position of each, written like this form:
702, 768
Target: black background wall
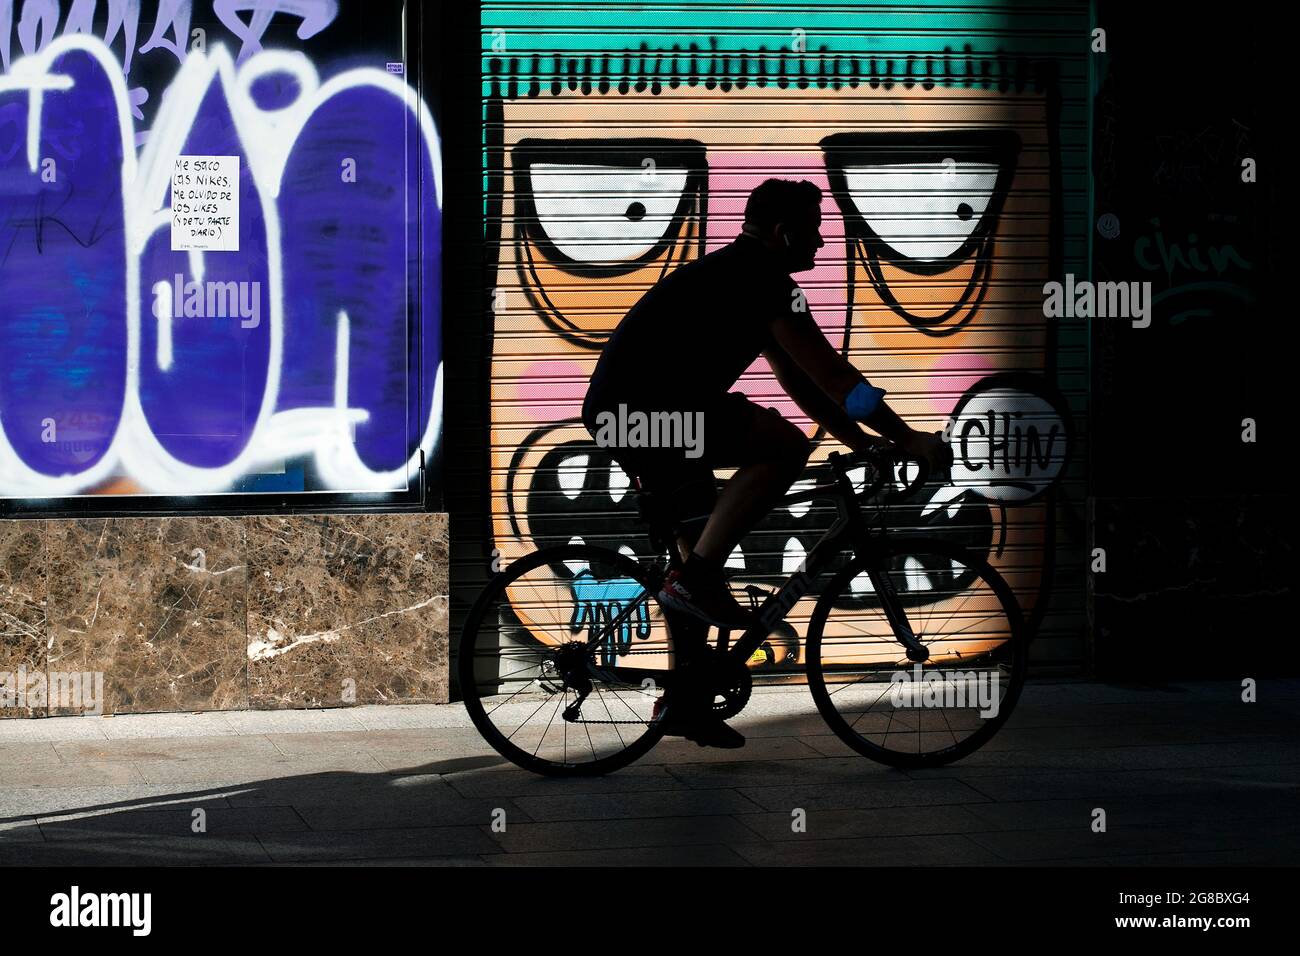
1197, 525
454, 34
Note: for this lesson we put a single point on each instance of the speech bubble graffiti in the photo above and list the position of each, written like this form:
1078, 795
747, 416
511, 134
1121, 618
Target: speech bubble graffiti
1010, 441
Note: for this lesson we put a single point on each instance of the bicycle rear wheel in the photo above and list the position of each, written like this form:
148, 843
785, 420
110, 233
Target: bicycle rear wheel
890, 708
563, 658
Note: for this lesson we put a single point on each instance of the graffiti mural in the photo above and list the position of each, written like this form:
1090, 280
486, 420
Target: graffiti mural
122, 25
306, 359
941, 216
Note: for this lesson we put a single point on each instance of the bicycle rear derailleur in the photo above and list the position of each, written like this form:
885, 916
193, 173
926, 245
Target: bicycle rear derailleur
567, 670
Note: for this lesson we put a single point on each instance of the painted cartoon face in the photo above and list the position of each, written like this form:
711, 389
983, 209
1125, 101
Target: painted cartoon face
936, 220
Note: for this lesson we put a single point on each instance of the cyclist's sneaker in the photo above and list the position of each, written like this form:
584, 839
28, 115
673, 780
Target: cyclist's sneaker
706, 597
707, 730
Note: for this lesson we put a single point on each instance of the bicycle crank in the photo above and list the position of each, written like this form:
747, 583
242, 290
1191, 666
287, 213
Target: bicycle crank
732, 688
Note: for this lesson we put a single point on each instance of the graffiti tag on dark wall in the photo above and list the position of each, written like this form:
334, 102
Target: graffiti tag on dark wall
174, 30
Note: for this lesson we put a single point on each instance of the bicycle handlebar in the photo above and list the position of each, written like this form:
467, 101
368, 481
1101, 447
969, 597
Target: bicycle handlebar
881, 459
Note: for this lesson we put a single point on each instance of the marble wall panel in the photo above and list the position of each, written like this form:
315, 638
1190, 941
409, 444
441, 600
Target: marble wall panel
347, 609
22, 617
157, 605
216, 613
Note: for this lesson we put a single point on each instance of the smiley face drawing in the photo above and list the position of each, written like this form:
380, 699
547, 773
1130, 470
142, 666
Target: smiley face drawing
939, 214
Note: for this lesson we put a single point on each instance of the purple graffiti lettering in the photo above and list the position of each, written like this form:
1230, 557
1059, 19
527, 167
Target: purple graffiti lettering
372, 283
39, 23
324, 341
316, 15
123, 15
219, 360
176, 15
38, 15
63, 322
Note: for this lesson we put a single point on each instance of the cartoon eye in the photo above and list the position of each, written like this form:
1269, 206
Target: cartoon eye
925, 212
605, 215
617, 214
923, 204
606, 208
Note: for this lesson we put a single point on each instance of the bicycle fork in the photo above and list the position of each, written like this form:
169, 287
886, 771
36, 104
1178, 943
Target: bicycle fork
897, 616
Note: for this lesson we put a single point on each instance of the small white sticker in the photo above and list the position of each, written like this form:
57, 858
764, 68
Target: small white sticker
205, 203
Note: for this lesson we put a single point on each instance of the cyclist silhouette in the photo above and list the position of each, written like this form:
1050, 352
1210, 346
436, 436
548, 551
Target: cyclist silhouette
682, 347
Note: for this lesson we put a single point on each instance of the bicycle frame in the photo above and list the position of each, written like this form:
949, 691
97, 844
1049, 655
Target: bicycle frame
850, 525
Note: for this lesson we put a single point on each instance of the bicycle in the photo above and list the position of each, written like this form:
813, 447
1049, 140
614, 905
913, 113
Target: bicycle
614, 687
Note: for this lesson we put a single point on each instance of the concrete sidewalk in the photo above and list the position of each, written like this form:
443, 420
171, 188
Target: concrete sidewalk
1187, 775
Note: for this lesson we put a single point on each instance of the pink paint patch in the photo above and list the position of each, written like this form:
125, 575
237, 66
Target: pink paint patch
954, 385
554, 390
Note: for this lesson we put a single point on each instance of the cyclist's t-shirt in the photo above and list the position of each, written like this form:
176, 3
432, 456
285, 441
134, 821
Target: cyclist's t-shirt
692, 335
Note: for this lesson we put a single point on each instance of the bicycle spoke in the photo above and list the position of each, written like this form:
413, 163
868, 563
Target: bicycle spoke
873, 704
609, 715
539, 707
522, 688
573, 615
944, 702
547, 728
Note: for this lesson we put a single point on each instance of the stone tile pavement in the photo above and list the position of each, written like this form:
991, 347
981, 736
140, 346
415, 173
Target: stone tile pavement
1186, 772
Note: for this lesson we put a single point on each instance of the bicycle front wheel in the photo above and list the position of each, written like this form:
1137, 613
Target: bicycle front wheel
563, 659
894, 709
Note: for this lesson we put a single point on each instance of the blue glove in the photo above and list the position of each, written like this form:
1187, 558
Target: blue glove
863, 401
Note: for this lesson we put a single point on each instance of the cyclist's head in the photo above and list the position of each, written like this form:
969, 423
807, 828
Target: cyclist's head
786, 215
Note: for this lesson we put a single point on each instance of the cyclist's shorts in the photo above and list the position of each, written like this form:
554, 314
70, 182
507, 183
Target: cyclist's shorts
674, 451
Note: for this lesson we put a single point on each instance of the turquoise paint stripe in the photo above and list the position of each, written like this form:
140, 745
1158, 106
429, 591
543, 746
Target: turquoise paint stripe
519, 41
920, 27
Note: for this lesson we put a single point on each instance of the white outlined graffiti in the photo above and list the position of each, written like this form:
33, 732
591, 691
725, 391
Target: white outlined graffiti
267, 139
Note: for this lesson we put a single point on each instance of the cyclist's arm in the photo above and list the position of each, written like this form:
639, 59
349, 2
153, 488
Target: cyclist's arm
831, 377
815, 403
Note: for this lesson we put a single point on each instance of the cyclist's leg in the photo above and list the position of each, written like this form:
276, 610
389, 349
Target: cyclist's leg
771, 454
689, 489
689, 492
687, 484
684, 484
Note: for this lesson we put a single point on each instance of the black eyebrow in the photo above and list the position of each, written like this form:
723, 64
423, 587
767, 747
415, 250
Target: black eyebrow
611, 151
971, 145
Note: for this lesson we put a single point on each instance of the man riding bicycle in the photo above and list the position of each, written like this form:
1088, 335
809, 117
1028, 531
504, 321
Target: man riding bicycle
682, 347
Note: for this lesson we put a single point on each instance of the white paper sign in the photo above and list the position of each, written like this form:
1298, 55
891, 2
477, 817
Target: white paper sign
205, 203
